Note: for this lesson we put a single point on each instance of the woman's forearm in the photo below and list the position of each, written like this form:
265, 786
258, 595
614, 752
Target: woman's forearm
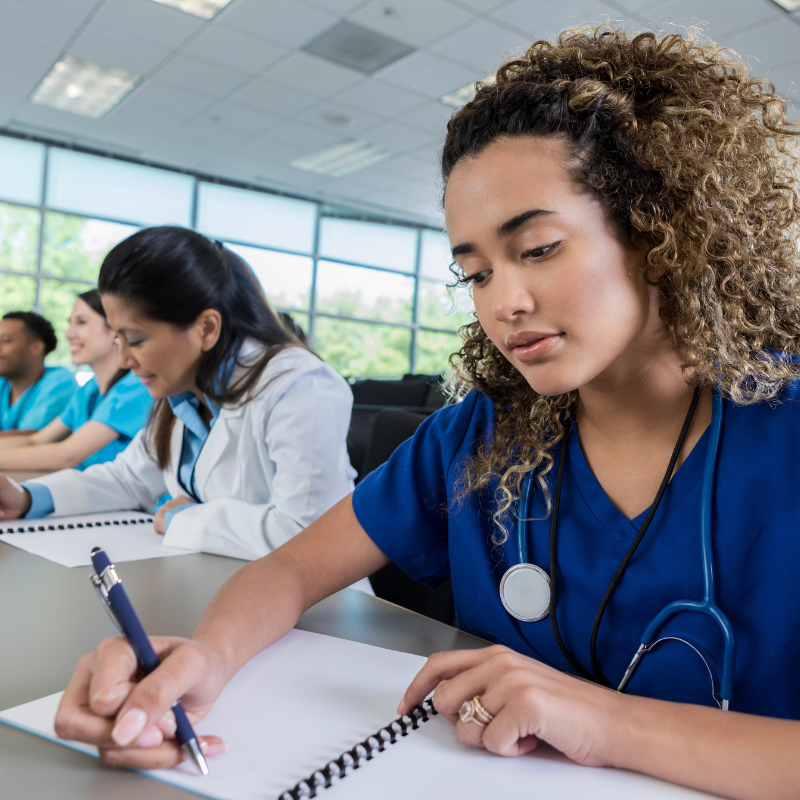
41, 456
736, 755
12, 442
264, 600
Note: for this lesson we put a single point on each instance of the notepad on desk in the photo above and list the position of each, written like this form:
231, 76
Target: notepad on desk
68, 541
305, 701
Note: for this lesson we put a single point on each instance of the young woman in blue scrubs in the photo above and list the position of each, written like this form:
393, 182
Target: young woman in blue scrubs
625, 211
103, 415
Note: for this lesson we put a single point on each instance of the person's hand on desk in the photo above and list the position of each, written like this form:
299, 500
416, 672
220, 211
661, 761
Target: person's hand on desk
15, 502
131, 723
159, 522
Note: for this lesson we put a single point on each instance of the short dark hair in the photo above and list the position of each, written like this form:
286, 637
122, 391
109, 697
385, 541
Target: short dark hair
38, 326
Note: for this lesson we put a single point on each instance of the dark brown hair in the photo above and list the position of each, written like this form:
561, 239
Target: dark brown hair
172, 275
694, 162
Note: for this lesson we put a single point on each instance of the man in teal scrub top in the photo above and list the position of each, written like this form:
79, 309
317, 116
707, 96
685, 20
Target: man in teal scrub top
30, 394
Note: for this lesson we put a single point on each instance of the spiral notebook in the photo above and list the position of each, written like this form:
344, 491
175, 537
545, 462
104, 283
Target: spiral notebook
301, 708
127, 535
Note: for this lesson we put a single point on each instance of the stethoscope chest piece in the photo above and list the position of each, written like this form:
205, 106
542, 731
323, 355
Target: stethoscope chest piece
525, 592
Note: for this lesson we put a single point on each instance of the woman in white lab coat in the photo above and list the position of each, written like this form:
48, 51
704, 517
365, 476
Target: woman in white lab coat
248, 430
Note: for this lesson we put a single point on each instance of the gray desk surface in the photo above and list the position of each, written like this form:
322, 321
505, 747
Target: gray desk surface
50, 617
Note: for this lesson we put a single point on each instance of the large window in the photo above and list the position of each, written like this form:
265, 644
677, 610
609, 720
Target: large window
373, 297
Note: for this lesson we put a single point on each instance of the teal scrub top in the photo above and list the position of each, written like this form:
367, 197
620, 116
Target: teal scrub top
40, 403
124, 408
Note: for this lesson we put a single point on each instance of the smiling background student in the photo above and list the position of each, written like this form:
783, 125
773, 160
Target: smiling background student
103, 415
626, 211
31, 395
248, 430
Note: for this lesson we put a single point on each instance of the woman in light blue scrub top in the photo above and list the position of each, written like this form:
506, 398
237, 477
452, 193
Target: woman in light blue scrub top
103, 415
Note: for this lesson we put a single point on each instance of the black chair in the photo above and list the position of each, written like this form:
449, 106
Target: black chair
392, 427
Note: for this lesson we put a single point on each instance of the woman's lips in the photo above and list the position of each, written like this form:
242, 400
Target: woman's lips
538, 348
147, 379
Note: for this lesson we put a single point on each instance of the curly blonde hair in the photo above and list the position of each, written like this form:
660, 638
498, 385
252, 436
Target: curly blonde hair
695, 163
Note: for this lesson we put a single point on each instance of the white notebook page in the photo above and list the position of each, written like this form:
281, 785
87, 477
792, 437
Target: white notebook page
308, 698
125, 535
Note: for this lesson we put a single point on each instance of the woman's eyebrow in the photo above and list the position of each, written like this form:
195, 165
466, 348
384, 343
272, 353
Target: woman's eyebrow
508, 227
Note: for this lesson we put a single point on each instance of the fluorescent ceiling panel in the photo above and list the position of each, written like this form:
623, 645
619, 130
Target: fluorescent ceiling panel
789, 5
81, 87
462, 96
344, 158
358, 48
206, 9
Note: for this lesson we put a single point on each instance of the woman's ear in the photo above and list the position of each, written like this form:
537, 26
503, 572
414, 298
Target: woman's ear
209, 323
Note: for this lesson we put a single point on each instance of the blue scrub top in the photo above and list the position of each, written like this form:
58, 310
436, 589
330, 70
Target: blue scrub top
40, 403
124, 408
403, 506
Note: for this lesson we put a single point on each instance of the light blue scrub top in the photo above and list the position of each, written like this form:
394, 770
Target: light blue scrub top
40, 403
124, 408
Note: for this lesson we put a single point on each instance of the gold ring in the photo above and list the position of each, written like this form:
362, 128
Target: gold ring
474, 711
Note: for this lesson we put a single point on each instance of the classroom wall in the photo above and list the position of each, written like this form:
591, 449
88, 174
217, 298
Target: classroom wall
373, 297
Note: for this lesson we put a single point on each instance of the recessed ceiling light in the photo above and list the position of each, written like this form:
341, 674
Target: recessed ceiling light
198, 8
344, 158
789, 5
462, 96
81, 87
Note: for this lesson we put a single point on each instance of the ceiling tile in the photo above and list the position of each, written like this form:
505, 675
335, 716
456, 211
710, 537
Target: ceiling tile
546, 20
243, 119
190, 73
412, 167
483, 45
25, 61
266, 95
481, 6
432, 117
787, 81
109, 50
216, 135
231, 165
768, 45
43, 27
306, 137
312, 74
278, 20
381, 98
147, 20
176, 152
429, 75
185, 102
286, 177
136, 125
333, 6
233, 48
717, 18
74, 8
398, 136
415, 22
265, 149
52, 118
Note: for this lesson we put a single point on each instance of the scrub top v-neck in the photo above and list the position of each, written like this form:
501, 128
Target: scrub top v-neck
413, 509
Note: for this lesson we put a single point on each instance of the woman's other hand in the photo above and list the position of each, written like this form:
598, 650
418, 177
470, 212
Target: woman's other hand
15, 502
132, 723
530, 702
159, 522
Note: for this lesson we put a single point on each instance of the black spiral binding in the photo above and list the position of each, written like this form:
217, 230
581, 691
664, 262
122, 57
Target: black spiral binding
363, 751
54, 526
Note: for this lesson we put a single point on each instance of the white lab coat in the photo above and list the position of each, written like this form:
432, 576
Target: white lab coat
268, 468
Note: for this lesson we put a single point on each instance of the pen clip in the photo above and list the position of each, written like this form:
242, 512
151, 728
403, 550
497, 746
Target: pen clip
102, 591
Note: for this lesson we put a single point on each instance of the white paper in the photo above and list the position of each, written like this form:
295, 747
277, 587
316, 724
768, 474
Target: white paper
124, 535
308, 698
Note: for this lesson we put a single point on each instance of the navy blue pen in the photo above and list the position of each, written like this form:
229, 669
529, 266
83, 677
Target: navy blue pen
119, 607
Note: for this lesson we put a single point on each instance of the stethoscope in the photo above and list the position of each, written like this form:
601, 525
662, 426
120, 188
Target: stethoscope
526, 593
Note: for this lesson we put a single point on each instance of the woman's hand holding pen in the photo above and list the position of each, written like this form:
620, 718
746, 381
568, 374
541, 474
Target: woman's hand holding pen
131, 723
14, 500
530, 702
